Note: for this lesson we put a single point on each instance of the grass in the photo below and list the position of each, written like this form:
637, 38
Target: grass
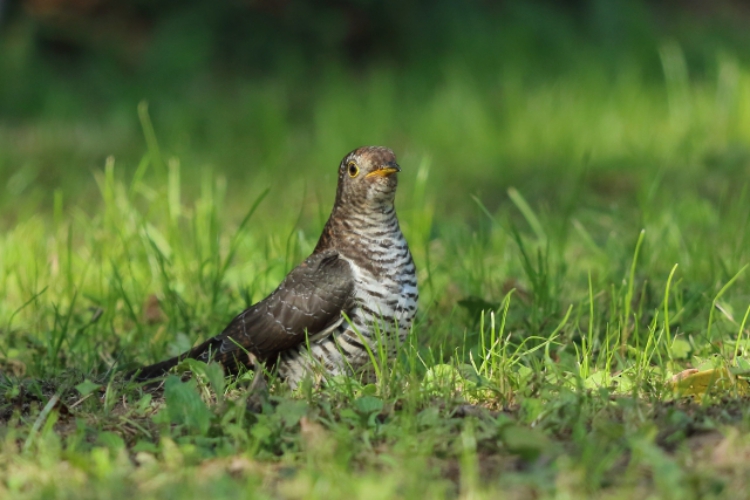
580, 240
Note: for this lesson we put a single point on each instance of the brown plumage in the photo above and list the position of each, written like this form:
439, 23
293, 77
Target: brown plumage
361, 268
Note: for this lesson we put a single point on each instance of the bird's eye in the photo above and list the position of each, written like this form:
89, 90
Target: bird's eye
353, 169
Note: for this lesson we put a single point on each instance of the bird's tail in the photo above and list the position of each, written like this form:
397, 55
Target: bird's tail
162, 368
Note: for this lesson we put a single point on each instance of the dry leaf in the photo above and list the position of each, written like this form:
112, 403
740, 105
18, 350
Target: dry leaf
152, 312
697, 383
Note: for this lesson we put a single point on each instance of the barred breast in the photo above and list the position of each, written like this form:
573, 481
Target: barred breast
386, 298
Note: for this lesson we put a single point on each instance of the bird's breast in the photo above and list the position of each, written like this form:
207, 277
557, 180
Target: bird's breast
386, 286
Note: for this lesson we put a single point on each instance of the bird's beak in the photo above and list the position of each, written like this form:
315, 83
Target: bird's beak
385, 170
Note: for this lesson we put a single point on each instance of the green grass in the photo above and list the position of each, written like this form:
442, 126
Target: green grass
579, 239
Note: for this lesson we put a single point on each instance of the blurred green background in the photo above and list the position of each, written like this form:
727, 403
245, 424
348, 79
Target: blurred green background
541, 95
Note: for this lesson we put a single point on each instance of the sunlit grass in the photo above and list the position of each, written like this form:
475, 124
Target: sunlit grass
579, 241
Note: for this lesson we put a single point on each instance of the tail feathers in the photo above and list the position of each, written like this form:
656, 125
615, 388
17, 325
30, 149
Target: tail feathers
162, 368
153, 371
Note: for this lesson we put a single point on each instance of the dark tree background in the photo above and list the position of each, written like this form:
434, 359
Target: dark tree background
160, 42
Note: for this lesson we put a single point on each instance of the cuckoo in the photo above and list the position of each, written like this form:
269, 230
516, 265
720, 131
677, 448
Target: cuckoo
358, 288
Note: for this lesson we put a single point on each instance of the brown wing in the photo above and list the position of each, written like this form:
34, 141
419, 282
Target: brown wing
309, 302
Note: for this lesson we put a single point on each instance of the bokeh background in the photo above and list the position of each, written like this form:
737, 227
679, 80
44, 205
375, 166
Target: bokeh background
540, 95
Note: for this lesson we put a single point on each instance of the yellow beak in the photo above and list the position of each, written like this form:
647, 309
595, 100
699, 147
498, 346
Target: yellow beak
384, 171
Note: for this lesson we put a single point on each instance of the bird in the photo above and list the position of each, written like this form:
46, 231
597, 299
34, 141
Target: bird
356, 292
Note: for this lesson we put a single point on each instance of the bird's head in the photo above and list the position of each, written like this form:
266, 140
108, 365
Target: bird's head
368, 177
